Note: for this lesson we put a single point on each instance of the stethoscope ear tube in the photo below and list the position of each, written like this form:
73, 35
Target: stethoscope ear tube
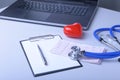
96, 32
114, 29
105, 55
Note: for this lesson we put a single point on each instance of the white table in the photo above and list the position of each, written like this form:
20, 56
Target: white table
13, 63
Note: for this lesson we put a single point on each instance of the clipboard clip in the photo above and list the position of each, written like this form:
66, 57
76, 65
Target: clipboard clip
44, 37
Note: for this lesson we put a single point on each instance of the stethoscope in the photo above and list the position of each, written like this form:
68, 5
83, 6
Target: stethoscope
76, 53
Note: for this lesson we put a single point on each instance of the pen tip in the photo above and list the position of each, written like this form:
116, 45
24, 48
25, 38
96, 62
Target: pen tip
46, 64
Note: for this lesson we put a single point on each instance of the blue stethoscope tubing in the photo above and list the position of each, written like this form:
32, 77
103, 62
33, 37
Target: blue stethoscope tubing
104, 55
114, 28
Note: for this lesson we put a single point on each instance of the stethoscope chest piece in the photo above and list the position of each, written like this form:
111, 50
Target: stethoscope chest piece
75, 54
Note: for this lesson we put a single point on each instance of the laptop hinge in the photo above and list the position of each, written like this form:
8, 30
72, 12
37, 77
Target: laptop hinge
93, 2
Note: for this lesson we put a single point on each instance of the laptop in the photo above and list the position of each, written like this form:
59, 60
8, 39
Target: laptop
52, 12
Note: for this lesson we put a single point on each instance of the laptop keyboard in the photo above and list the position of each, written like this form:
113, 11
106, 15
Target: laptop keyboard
55, 8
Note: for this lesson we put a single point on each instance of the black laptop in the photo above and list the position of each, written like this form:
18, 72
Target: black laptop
52, 12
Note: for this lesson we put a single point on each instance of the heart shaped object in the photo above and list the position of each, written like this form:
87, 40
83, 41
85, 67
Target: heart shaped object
73, 30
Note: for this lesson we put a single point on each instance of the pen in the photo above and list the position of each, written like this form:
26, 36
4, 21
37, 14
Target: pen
42, 55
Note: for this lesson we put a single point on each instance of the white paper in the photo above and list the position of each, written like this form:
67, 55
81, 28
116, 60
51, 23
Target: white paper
63, 47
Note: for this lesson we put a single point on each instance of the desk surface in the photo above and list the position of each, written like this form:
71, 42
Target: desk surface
13, 63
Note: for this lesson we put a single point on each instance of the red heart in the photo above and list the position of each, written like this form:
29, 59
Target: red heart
73, 30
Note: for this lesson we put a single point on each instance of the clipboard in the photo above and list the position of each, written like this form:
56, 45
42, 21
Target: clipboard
55, 62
